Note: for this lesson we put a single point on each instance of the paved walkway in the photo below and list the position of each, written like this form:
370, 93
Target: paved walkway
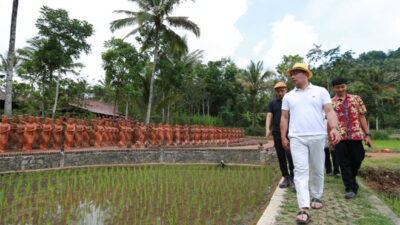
365, 209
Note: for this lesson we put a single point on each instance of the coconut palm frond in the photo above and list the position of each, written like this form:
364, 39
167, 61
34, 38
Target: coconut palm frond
122, 23
184, 22
177, 42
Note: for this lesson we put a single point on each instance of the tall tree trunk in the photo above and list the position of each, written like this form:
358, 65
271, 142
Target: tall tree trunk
203, 107
168, 112
208, 106
153, 72
10, 60
56, 98
163, 110
126, 108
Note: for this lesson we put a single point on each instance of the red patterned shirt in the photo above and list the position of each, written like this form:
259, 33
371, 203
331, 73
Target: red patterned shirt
349, 111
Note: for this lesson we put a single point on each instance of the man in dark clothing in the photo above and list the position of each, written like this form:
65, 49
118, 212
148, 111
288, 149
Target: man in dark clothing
284, 156
328, 163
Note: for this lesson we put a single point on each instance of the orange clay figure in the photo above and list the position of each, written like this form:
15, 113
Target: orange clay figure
5, 128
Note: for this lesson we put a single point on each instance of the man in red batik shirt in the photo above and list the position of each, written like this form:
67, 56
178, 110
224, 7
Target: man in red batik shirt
350, 152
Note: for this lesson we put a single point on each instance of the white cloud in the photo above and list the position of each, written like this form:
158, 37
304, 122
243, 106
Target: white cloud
216, 18
289, 37
242, 62
259, 47
219, 36
361, 25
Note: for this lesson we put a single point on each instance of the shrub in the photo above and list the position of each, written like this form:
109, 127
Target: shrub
200, 120
380, 136
256, 131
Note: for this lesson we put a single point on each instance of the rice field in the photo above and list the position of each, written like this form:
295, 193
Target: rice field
136, 195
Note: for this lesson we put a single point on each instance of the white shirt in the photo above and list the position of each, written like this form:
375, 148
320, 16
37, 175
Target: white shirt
306, 108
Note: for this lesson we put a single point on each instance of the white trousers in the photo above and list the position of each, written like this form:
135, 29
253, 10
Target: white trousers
308, 150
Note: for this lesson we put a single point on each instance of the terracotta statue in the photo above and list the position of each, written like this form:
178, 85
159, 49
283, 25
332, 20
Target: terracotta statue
29, 134
186, 135
45, 135
129, 132
196, 137
177, 134
57, 133
140, 135
5, 129
122, 135
204, 134
191, 134
168, 134
13, 138
37, 134
20, 132
78, 135
160, 134
85, 134
105, 134
153, 135
69, 133
98, 135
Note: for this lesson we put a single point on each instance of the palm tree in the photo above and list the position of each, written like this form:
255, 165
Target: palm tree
377, 86
154, 24
254, 81
10, 59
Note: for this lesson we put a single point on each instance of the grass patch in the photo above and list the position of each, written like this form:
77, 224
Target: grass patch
388, 164
383, 176
393, 145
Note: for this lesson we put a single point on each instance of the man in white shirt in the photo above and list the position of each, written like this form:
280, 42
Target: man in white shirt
306, 104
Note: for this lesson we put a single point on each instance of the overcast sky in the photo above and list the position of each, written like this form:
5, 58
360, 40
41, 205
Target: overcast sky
241, 29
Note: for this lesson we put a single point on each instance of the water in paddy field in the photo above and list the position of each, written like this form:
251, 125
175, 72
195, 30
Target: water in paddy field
190, 194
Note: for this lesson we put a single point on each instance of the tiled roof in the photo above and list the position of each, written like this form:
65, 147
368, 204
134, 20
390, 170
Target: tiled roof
96, 107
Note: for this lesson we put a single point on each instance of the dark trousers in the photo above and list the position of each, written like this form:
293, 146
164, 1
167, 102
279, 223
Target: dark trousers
350, 155
284, 158
328, 164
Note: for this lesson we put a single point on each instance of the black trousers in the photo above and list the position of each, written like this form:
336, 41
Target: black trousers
350, 155
328, 163
284, 158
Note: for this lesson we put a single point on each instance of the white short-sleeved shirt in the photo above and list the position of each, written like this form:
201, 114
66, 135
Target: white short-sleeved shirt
306, 110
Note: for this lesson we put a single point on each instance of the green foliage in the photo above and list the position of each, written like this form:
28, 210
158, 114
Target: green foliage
380, 135
255, 131
199, 120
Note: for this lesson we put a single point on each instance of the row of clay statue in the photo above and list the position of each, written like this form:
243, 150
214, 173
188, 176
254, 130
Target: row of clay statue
25, 133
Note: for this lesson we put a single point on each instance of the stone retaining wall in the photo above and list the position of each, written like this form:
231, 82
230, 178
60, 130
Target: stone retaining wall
45, 160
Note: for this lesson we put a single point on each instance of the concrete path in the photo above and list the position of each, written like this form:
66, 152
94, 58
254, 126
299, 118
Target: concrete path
366, 208
272, 211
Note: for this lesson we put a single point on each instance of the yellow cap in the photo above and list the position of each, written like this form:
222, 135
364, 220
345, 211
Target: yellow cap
279, 85
300, 66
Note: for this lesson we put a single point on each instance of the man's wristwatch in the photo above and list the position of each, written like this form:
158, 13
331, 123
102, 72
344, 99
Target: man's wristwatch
337, 128
368, 134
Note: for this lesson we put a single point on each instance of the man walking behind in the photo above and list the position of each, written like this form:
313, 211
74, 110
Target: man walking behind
306, 104
351, 111
274, 112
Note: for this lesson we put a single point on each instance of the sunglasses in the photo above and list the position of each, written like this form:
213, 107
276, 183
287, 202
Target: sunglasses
294, 73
